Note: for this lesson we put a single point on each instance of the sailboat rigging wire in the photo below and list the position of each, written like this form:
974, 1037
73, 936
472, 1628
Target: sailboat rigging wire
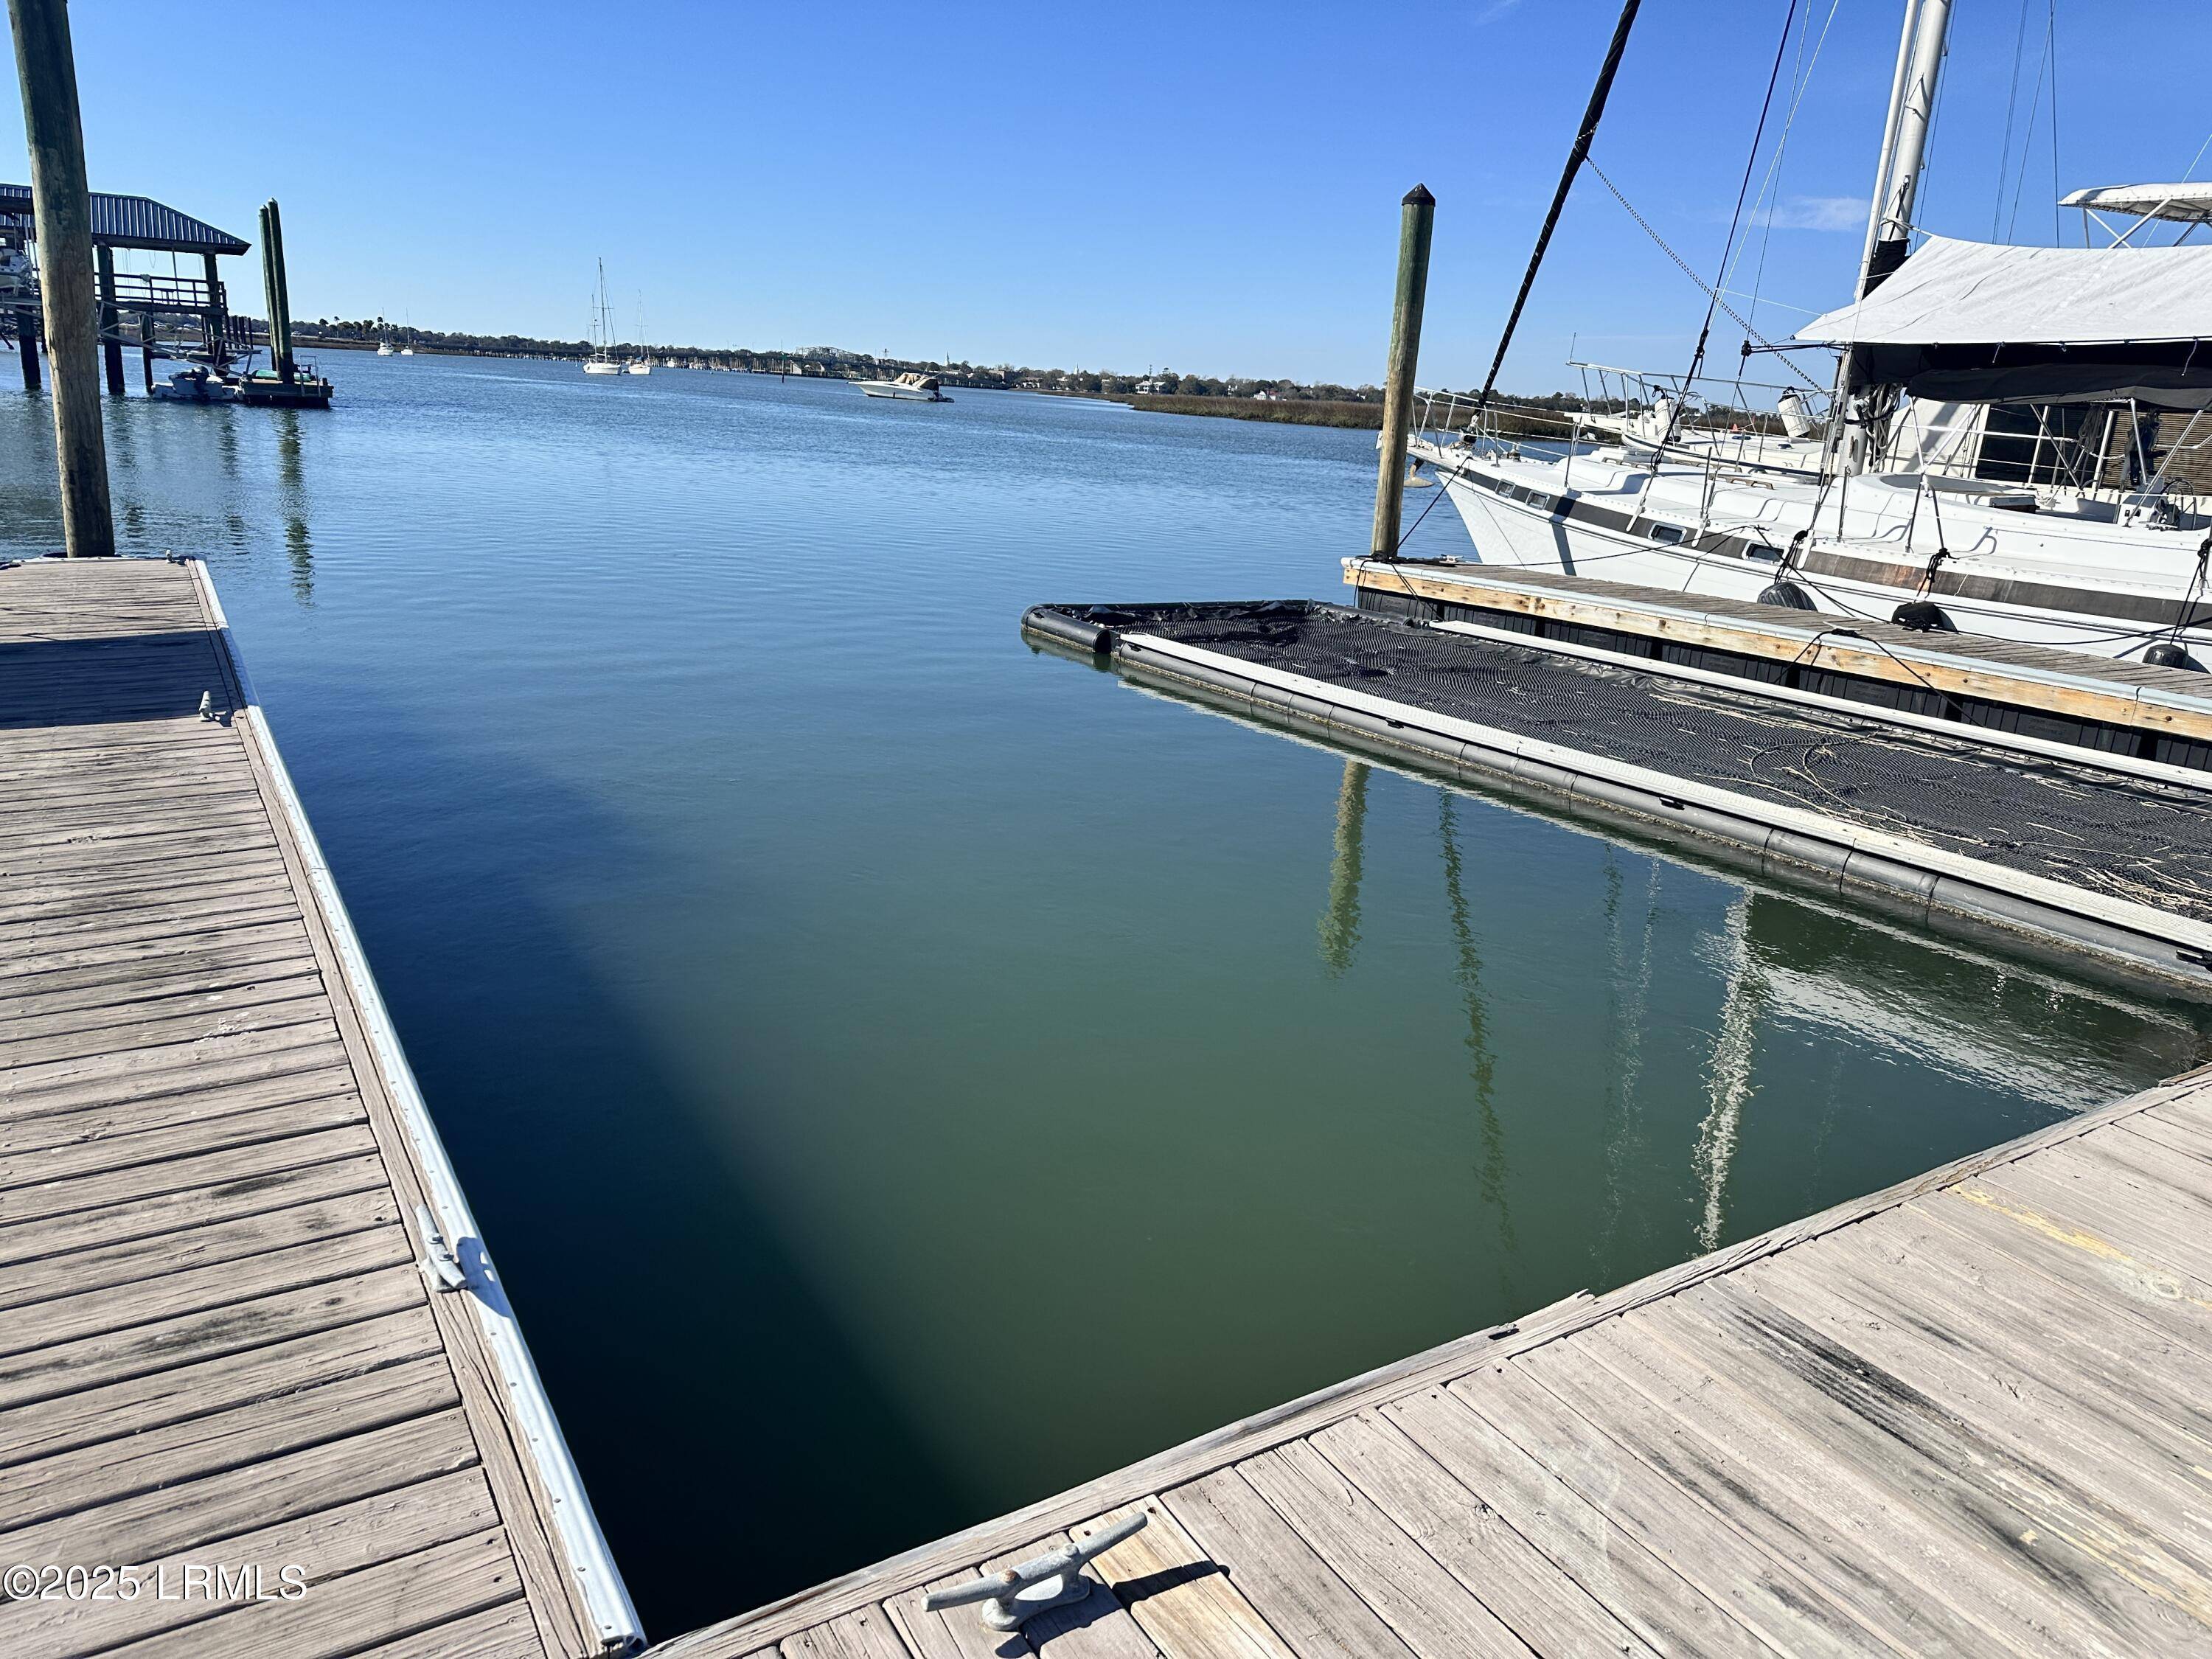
2034, 108
1592, 114
1735, 220
2012, 109
1800, 79
1683, 265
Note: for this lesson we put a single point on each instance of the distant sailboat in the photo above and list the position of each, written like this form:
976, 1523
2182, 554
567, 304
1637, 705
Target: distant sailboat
602, 360
639, 365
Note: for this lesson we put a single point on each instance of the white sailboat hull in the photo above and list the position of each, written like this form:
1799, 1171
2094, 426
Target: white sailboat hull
595, 367
2113, 592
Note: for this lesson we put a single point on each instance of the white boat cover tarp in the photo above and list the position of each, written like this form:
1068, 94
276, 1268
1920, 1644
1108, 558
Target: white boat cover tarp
1952, 292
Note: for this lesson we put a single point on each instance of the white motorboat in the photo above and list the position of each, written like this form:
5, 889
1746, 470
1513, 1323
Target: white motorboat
912, 387
2010, 448
195, 385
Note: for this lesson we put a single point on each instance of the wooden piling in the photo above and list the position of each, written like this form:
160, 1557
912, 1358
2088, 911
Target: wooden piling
279, 295
111, 320
212, 321
62, 204
27, 341
146, 348
1415, 224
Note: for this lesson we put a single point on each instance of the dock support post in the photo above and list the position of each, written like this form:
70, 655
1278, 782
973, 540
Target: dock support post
62, 204
26, 343
212, 319
272, 285
1415, 224
146, 348
111, 342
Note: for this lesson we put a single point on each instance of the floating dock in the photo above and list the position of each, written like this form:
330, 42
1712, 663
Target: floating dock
1966, 1415
2106, 853
230, 1359
2131, 708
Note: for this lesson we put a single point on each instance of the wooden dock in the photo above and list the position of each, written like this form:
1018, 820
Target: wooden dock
217, 1349
1969, 1415
2162, 714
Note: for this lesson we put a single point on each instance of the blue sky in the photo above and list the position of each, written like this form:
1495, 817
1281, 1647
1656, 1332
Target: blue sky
1211, 187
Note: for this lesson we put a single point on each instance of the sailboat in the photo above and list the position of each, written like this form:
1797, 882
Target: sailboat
602, 360
2005, 447
640, 365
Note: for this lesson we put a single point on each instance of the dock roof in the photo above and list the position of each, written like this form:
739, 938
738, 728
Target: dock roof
134, 221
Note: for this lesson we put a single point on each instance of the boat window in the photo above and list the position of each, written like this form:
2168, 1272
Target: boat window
1667, 533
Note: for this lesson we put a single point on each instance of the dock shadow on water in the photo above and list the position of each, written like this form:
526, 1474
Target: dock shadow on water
901, 1076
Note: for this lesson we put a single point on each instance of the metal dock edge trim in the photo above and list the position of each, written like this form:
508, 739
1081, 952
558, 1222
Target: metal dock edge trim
1931, 875
605, 1596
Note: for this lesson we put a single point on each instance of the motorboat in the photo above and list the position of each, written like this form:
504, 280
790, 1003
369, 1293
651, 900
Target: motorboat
912, 387
198, 384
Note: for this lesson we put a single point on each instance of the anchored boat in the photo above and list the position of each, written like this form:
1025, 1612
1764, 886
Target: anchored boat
2010, 443
602, 360
912, 387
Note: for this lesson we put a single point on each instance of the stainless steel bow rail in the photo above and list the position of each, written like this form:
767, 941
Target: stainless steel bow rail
1054, 1579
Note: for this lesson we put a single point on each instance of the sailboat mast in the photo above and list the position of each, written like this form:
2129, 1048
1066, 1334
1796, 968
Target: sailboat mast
1876, 205
1905, 149
1889, 220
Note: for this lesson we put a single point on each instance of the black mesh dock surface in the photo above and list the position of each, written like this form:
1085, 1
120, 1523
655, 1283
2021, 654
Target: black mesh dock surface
2107, 831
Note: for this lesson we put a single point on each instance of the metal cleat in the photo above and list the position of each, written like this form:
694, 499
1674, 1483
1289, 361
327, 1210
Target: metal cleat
439, 1264
1053, 1580
207, 706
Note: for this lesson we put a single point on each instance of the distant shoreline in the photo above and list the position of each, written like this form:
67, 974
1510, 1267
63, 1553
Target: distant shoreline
1292, 411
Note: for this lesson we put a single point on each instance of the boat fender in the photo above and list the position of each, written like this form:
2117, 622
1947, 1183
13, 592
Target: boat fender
2172, 653
1787, 594
1922, 617
1059, 625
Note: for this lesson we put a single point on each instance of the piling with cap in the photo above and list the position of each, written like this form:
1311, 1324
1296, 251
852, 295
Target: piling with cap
62, 208
1415, 224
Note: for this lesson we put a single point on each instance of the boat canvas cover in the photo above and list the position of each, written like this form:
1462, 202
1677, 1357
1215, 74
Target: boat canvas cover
1977, 322
1952, 292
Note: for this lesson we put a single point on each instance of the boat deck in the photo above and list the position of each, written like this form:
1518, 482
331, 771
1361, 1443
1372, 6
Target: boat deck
1968, 1415
217, 1350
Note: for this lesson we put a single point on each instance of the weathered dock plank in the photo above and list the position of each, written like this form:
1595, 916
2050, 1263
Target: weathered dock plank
217, 1346
1963, 1415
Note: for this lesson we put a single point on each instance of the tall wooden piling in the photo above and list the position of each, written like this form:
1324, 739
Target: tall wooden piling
111, 320
213, 321
27, 341
273, 285
1416, 223
62, 204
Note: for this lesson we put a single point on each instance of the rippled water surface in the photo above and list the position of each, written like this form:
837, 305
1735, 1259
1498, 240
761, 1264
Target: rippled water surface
903, 1074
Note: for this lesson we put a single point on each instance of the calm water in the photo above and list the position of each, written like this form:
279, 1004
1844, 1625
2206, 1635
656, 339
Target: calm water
903, 1074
